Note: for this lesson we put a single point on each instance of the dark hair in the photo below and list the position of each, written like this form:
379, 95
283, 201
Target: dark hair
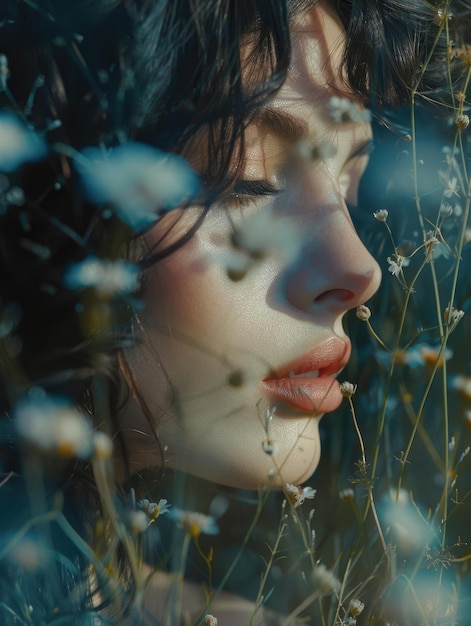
158, 72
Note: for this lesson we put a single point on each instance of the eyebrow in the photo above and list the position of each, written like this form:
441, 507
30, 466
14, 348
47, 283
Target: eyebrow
293, 129
283, 124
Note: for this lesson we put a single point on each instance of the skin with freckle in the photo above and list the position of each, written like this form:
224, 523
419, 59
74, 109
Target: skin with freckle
206, 342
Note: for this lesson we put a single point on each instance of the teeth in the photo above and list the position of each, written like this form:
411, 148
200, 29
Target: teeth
313, 374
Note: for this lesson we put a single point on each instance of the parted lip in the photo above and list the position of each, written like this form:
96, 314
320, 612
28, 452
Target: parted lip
308, 383
329, 357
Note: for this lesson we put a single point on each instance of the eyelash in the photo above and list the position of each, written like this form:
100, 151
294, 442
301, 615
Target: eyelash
247, 192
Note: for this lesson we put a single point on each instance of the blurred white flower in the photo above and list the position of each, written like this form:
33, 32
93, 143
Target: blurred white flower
108, 277
153, 509
346, 110
462, 384
102, 446
422, 354
18, 144
138, 180
347, 495
409, 530
53, 425
195, 523
325, 580
297, 495
261, 232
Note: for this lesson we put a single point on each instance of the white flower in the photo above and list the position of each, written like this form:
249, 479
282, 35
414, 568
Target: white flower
346, 110
462, 121
453, 317
347, 389
138, 180
446, 210
262, 232
347, 495
195, 523
108, 277
410, 530
297, 495
355, 607
18, 144
53, 425
451, 188
381, 215
152, 509
270, 447
395, 266
325, 580
422, 354
102, 445
138, 521
363, 313
462, 384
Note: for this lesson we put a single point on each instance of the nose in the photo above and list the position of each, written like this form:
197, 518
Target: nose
333, 272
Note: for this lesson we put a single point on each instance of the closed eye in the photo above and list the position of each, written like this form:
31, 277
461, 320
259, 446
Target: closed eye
246, 192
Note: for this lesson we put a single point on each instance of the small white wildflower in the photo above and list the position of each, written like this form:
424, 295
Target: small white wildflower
195, 523
452, 188
108, 277
346, 110
355, 607
297, 495
363, 313
347, 389
152, 509
395, 266
102, 446
453, 317
325, 580
210, 620
18, 144
53, 425
446, 210
138, 180
462, 121
381, 215
347, 495
270, 447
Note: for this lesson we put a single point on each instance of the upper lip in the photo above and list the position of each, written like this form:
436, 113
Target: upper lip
328, 357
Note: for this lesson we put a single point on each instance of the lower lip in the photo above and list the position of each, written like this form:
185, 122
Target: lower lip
312, 395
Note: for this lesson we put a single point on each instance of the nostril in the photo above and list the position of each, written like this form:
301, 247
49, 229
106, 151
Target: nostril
337, 295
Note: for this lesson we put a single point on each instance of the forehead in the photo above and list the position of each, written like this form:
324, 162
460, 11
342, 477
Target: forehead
318, 41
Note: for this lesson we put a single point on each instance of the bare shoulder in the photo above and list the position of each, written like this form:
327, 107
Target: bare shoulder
164, 591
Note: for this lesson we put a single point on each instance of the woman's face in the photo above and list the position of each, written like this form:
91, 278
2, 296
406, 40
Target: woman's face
242, 331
